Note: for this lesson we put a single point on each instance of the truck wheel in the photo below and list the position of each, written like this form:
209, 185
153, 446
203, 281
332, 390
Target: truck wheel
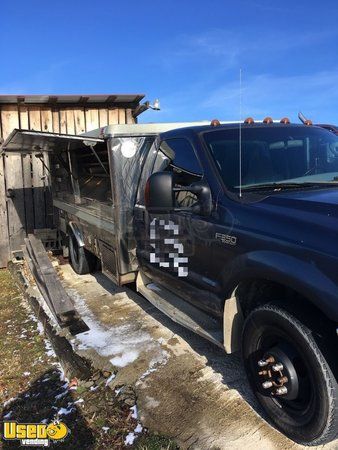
81, 259
290, 376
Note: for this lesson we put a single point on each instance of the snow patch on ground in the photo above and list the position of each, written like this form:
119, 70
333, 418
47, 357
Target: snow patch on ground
122, 343
125, 359
134, 412
63, 394
112, 376
154, 365
130, 438
65, 411
49, 349
9, 401
138, 429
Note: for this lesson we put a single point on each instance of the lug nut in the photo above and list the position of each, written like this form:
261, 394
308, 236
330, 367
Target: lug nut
283, 380
265, 362
277, 367
281, 390
262, 363
263, 372
267, 384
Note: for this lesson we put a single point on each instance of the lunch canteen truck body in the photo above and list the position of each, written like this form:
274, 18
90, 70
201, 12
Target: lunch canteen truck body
230, 229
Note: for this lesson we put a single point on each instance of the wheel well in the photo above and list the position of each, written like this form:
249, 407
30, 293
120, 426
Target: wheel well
253, 293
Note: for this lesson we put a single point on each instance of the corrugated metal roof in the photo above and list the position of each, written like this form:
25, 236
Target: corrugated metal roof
82, 99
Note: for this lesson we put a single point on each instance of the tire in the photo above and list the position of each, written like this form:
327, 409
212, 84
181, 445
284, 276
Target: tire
82, 261
308, 412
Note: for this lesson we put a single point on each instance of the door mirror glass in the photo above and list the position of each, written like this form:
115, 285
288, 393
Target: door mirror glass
162, 196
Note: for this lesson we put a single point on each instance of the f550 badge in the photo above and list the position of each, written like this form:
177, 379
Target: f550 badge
35, 434
226, 238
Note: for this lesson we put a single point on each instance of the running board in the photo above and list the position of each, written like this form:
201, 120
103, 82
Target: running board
180, 311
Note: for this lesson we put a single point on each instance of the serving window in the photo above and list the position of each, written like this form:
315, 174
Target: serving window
82, 174
93, 173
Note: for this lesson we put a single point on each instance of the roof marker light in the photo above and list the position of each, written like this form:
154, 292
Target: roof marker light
249, 121
268, 120
215, 123
285, 120
308, 122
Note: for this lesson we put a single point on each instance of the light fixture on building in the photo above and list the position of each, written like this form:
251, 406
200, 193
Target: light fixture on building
145, 106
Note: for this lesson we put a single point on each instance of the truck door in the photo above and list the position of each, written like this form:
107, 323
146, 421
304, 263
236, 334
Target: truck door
160, 236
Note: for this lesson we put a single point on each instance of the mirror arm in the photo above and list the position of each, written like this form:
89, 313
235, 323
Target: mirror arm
195, 209
194, 189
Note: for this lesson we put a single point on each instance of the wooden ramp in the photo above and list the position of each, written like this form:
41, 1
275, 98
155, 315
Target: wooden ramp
50, 286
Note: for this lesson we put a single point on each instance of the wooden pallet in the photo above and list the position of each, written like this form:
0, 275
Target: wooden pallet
50, 286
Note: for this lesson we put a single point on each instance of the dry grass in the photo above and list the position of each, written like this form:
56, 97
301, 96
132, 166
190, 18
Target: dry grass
33, 378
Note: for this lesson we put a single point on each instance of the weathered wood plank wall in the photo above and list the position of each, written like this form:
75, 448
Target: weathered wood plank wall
25, 199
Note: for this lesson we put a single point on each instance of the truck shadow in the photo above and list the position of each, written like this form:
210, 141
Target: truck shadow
47, 399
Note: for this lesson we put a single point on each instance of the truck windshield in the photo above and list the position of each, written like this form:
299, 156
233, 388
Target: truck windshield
282, 156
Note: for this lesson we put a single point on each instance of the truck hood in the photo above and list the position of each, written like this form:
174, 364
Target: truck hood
308, 218
314, 201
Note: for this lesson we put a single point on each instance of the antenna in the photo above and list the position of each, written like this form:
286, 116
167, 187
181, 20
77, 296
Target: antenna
240, 133
301, 117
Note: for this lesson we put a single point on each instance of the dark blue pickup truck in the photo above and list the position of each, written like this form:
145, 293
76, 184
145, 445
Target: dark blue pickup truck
229, 229
257, 212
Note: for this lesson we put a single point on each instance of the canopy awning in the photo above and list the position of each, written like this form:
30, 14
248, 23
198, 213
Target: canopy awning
29, 141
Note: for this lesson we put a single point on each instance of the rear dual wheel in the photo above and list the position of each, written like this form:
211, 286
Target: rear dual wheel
82, 261
290, 375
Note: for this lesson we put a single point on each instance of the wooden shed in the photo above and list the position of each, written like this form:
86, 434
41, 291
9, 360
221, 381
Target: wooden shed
25, 198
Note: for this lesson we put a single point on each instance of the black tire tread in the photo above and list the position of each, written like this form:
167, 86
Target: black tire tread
331, 430
86, 262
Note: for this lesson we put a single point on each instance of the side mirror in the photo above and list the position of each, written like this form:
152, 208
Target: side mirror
160, 195
203, 193
159, 192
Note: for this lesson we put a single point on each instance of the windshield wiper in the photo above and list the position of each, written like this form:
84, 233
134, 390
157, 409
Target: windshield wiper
290, 185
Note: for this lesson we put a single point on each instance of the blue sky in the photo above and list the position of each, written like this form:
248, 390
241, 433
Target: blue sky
187, 53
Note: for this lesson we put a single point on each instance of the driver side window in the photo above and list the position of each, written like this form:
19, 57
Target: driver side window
185, 165
183, 158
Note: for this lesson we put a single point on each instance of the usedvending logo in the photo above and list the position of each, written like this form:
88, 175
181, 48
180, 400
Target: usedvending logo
35, 434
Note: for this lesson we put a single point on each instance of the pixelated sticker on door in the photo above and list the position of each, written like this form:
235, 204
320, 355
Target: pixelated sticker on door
167, 251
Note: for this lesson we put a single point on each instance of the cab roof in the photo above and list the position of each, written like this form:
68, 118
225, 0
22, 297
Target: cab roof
230, 125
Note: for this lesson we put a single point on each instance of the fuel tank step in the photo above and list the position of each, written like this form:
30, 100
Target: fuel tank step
180, 311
